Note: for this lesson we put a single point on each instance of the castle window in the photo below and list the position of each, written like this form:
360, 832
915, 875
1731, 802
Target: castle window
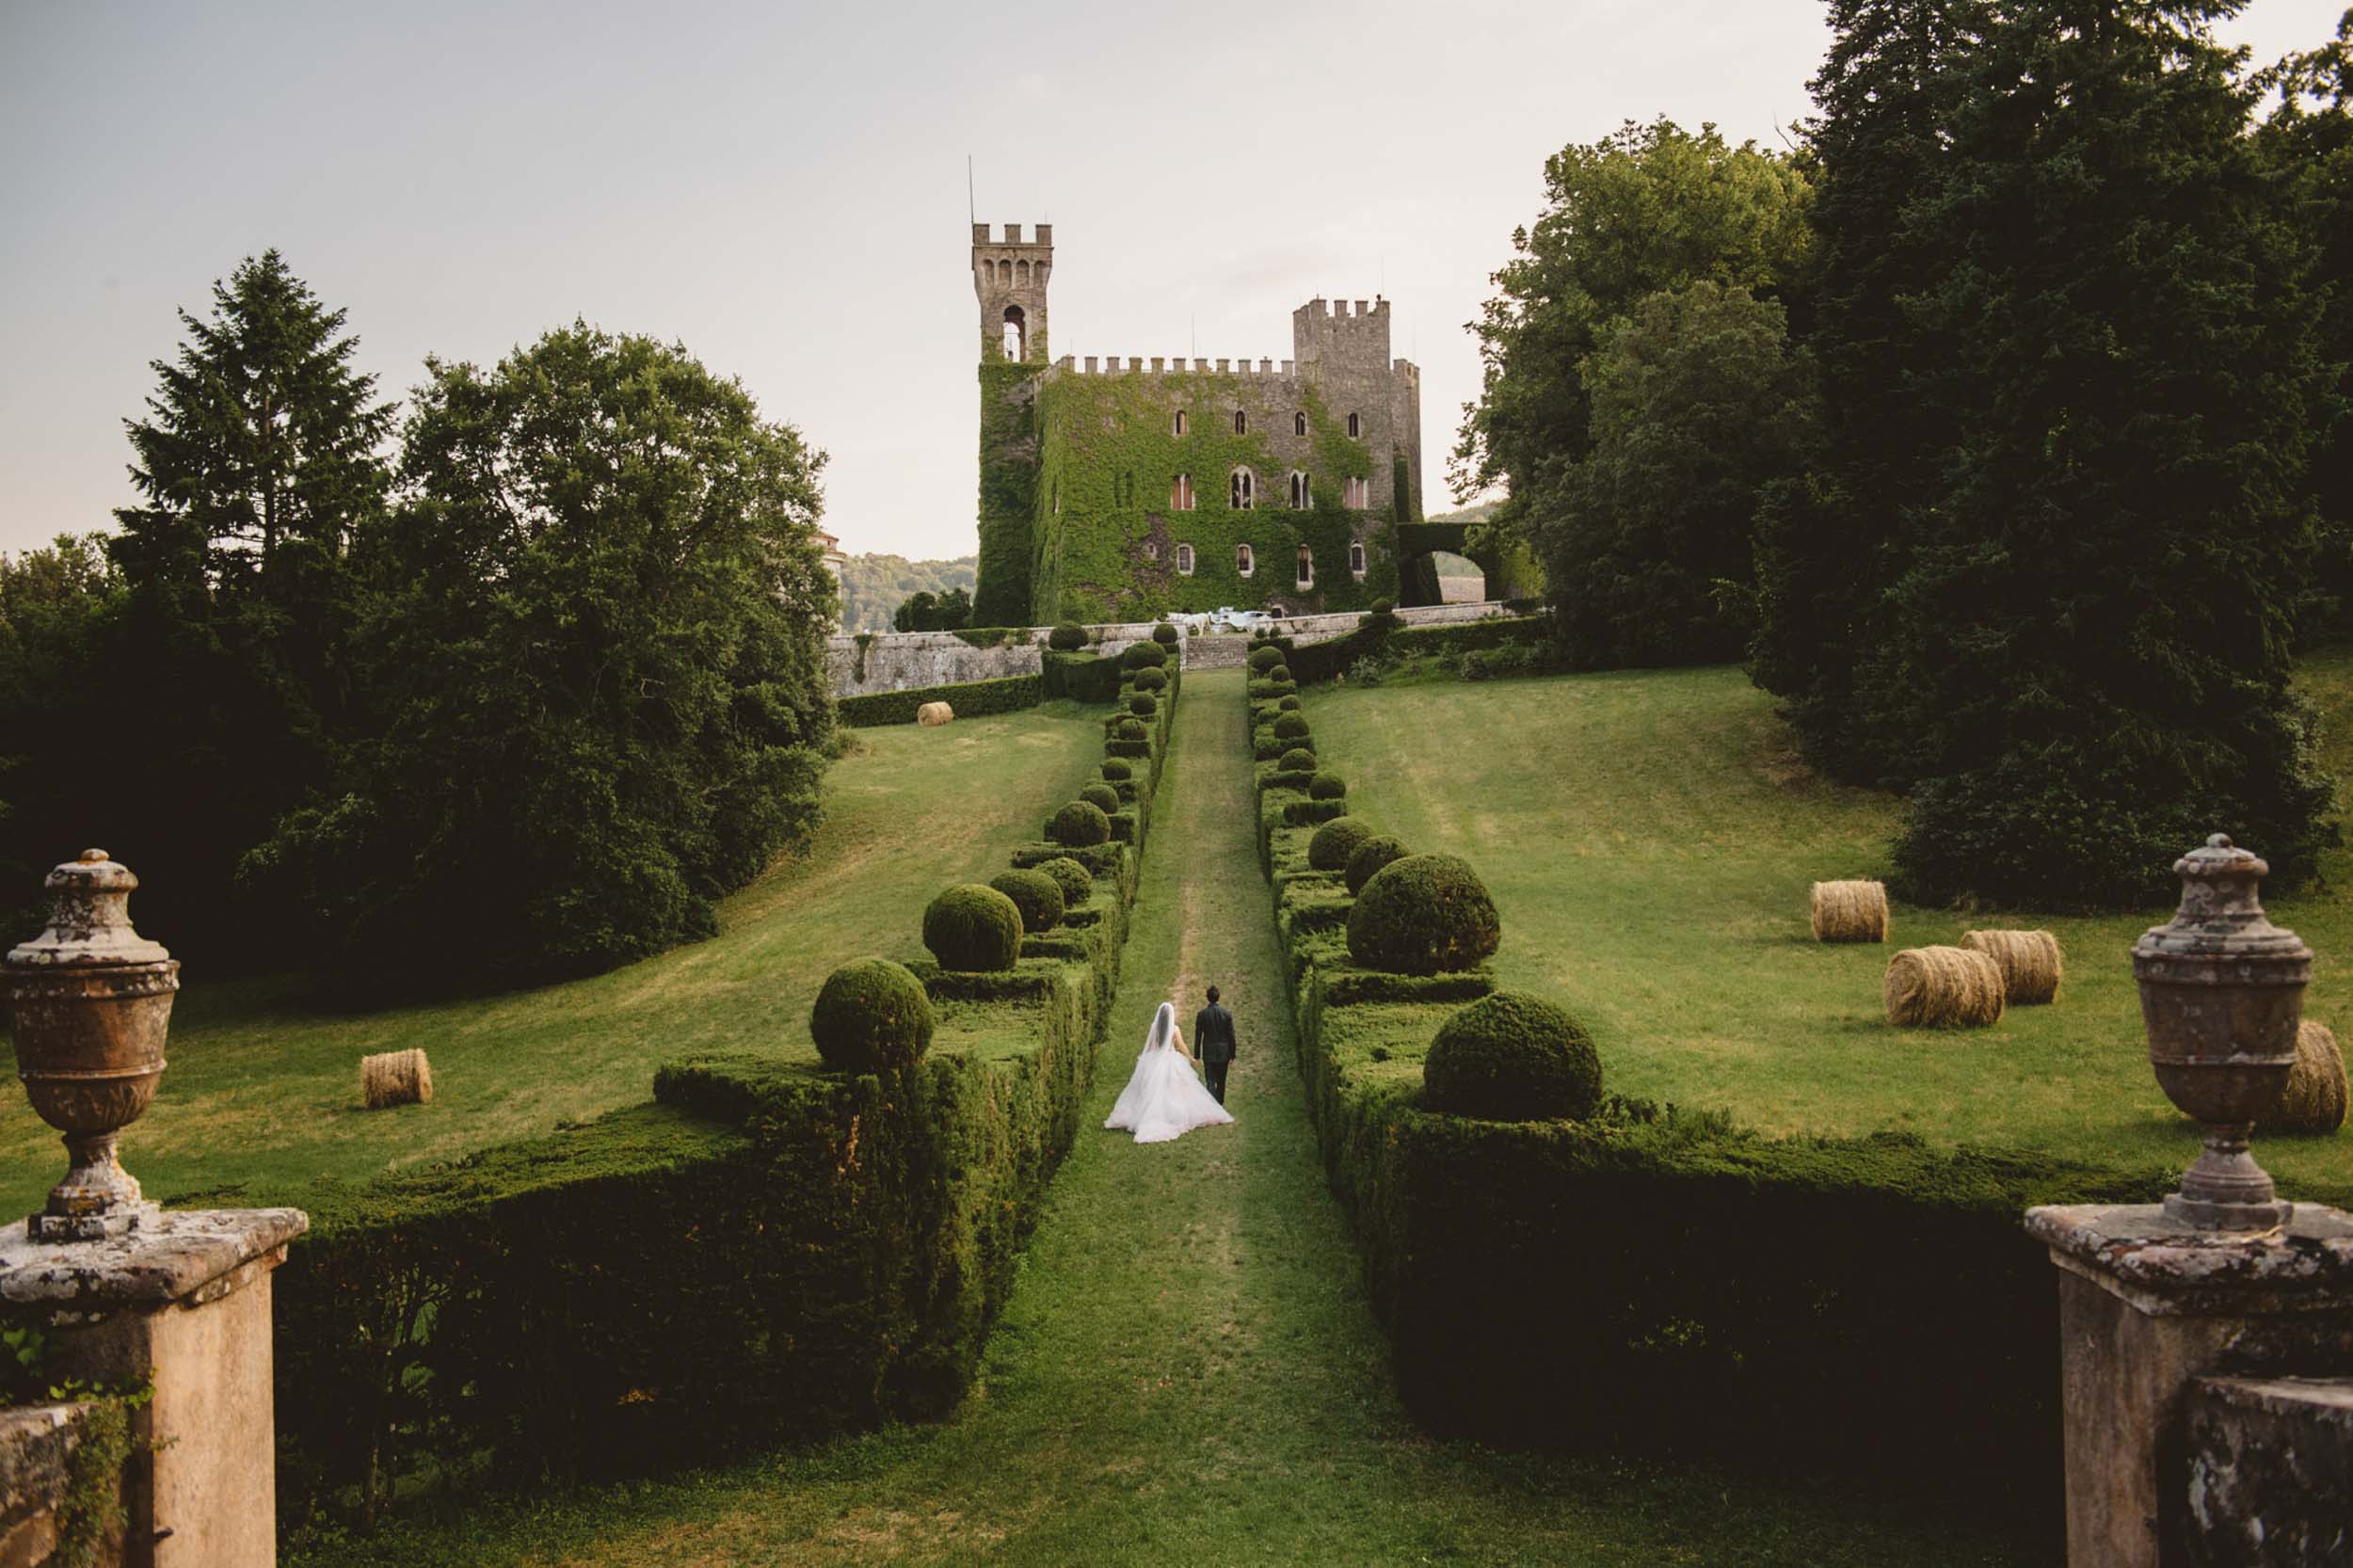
1057, 494
1357, 560
1180, 422
1355, 425
1353, 495
1302, 497
1184, 560
1151, 549
1017, 333
1180, 493
1299, 425
1306, 567
1241, 422
1243, 563
1242, 491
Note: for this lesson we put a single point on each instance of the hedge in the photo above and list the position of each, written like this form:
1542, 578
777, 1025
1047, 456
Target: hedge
1082, 676
1311, 663
970, 700
1659, 1279
765, 1253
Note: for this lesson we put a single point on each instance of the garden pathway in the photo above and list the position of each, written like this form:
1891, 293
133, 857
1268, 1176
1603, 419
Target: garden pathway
1187, 1371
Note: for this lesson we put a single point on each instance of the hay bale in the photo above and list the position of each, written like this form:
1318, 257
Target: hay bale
1944, 988
2314, 1098
395, 1077
1850, 912
932, 714
2030, 961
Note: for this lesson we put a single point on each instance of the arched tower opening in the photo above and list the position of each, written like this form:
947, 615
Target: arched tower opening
1015, 343
1008, 273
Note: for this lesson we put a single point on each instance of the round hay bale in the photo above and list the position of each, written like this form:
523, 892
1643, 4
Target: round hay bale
1850, 912
870, 1014
2313, 1100
2030, 961
934, 713
395, 1077
1943, 987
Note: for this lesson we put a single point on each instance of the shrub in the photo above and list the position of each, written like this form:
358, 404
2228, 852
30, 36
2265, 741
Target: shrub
1102, 796
1144, 656
1265, 657
1287, 702
1280, 672
1510, 1057
1117, 768
1082, 676
1144, 704
1151, 680
1290, 726
1079, 824
1327, 786
1037, 895
1298, 760
1336, 840
1384, 607
1166, 634
1129, 730
871, 1015
976, 928
1423, 914
1369, 856
1075, 882
1066, 638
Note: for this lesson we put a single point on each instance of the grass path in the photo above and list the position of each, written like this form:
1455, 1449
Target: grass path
1187, 1372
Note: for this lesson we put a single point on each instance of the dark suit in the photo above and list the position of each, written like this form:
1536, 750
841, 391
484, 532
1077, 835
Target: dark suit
1213, 1042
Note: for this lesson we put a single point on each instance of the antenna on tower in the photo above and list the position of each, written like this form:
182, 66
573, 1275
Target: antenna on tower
971, 208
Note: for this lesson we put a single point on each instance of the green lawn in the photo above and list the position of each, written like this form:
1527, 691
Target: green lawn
1187, 1372
265, 1089
1650, 837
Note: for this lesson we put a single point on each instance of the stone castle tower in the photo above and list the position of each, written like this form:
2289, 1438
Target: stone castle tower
1121, 491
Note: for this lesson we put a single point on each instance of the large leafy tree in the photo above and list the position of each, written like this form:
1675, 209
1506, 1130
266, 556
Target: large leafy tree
594, 672
56, 607
1696, 400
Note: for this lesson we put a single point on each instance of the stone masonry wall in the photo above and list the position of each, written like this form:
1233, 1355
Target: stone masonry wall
905, 661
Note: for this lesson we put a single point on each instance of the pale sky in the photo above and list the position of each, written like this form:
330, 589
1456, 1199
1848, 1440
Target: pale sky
781, 186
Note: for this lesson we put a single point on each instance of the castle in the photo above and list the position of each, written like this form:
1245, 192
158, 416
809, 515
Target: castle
1115, 491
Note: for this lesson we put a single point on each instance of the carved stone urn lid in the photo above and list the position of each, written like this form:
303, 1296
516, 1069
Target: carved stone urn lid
89, 920
2221, 916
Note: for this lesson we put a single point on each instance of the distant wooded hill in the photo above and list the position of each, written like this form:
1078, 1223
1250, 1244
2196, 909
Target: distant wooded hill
874, 586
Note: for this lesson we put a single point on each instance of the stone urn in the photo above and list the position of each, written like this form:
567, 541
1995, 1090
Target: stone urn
91, 1002
2221, 994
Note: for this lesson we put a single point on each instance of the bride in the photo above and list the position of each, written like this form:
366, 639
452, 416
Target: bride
1164, 1100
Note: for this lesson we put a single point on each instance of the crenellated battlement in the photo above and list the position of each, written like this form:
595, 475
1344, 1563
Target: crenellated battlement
1045, 239
1161, 364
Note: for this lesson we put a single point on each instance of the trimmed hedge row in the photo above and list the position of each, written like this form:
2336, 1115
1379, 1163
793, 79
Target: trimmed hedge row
1314, 663
1659, 1279
970, 700
767, 1252
1082, 676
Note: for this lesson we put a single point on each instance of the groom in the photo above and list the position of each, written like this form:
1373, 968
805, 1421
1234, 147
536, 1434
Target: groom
1213, 1038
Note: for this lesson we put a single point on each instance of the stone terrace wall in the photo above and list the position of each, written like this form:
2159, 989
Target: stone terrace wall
904, 660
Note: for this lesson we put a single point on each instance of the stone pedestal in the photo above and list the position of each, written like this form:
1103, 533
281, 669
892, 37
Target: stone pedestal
2144, 1311
182, 1305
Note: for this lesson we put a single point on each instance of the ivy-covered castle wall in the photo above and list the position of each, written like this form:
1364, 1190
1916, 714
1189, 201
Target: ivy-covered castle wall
1083, 516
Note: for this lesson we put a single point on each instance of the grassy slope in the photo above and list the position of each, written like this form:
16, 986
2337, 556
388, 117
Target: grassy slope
1187, 1372
1650, 839
264, 1090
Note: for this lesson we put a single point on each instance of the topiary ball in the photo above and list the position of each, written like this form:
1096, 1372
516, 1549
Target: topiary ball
1037, 895
1336, 840
1287, 702
1383, 607
1298, 760
1066, 638
1326, 786
1280, 672
1264, 658
1370, 856
1144, 704
871, 1015
1509, 1057
1166, 634
1290, 726
1102, 796
1422, 914
1151, 680
1081, 823
970, 927
1075, 882
1116, 768
1144, 656
1130, 730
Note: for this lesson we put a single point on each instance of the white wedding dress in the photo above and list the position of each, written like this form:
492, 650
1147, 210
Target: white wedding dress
1164, 1100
